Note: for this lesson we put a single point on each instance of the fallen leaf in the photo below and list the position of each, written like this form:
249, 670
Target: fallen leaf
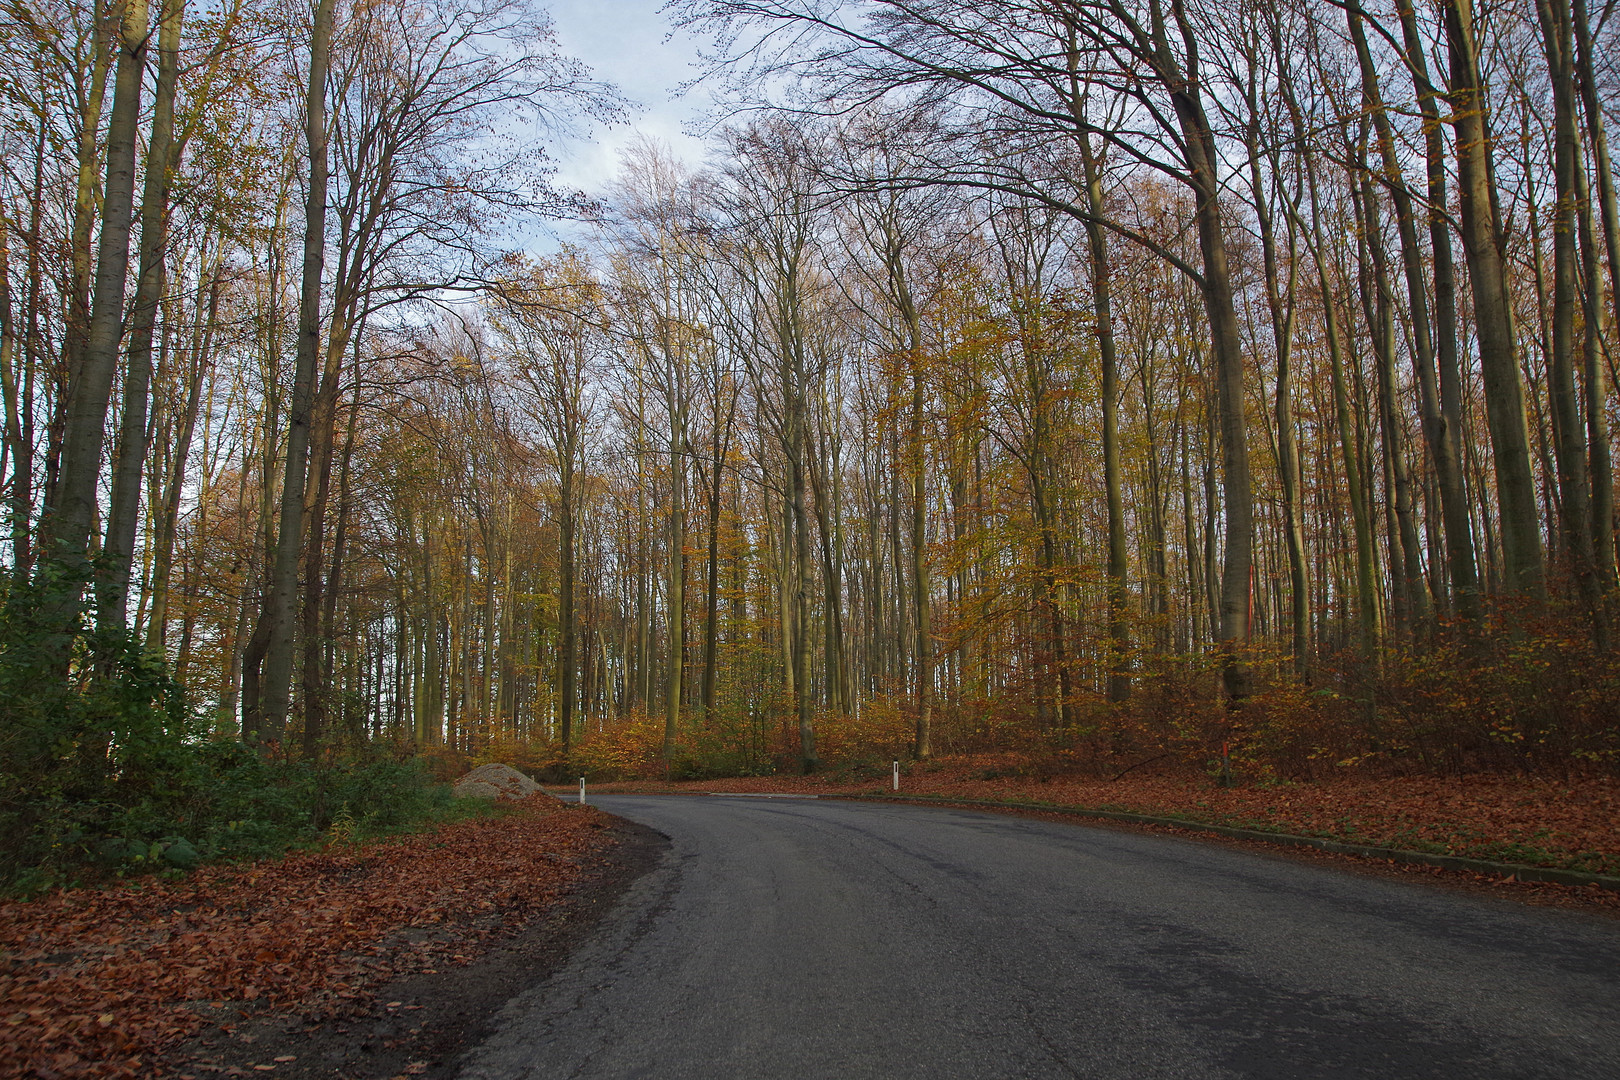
174, 956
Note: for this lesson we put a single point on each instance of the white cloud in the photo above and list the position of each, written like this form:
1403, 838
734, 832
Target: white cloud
624, 43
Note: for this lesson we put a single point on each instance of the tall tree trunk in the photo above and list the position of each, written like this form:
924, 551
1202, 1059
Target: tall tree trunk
781, 558
1597, 382
1405, 562
1569, 428
72, 510
823, 476
1119, 643
327, 639
1158, 572
832, 588
1226, 342
1484, 244
1367, 607
433, 717
921, 590
641, 693
676, 605
17, 370
317, 500
568, 660
913, 454
1280, 303
162, 159
1461, 556
1440, 430
166, 528
267, 722
87, 196
22, 430
795, 419
1189, 522
711, 613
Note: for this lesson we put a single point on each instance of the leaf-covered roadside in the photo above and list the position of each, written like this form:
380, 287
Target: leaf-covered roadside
1540, 821
95, 983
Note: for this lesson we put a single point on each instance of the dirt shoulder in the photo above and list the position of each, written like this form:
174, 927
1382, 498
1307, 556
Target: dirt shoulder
382, 960
421, 1024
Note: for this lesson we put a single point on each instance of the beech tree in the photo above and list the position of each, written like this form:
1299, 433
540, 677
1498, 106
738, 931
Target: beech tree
554, 323
1016, 69
1016, 373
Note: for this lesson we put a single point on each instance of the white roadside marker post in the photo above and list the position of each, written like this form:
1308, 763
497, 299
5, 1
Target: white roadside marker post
897, 776
582, 791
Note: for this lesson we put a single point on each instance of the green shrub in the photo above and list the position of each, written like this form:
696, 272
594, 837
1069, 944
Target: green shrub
105, 769
91, 730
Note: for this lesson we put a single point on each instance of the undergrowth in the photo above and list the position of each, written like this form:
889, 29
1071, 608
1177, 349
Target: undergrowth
106, 769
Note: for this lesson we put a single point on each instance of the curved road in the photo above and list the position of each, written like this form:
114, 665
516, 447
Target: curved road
803, 939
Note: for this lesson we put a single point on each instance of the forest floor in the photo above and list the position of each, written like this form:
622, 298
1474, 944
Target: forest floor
1569, 823
380, 959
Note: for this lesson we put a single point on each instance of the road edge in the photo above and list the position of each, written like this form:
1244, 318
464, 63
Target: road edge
1519, 871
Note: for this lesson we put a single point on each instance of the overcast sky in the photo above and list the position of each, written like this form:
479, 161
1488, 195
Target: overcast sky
623, 41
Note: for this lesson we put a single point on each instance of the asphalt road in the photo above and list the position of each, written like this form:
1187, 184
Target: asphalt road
804, 939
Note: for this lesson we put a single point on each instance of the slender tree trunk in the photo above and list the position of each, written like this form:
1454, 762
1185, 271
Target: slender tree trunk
1439, 429
17, 449
1280, 303
1405, 563
822, 476
317, 500
1597, 381
1119, 676
809, 761
1484, 242
1447, 431
1569, 428
676, 606
433, 715
268, 722
566, 630
327, 638
86, 198
168, 513
1158, 514
782, 565
922, 591
1189, 523
641, 695
711, 613
1366, 570
17, 388
797, 533
162, 159
1227, 343
73, 509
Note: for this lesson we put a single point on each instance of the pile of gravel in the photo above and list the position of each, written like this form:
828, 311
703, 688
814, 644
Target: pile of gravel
496, 782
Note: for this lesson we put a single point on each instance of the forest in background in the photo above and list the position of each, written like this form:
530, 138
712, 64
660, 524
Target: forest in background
1117, 381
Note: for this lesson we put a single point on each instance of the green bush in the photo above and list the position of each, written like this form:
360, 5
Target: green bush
105, 769
90, 729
